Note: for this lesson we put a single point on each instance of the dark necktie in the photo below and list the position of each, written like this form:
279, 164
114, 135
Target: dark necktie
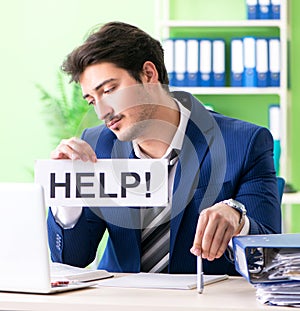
156, 235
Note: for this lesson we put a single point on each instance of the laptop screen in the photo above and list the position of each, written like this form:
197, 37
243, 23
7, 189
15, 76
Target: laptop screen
24, 256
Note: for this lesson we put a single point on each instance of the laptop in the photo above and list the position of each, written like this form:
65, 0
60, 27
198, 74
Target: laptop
24, 251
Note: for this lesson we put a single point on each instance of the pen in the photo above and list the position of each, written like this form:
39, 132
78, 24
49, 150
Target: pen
200, 281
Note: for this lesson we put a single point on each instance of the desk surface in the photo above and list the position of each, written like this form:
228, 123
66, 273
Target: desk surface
232, 294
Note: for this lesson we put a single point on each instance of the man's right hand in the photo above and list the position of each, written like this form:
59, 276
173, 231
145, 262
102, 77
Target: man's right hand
75, 149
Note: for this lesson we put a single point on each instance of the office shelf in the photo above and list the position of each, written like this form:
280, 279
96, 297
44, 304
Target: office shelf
165, 24
216, 23
230, 90
291, 198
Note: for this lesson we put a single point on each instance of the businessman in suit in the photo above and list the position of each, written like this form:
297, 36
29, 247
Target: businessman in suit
222, 180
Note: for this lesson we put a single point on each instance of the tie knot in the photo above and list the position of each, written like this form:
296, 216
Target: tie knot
173, 156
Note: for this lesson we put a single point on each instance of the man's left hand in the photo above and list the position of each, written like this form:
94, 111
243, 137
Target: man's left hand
216, 226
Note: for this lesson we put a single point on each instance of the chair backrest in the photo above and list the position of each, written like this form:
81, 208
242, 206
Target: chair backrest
280, 184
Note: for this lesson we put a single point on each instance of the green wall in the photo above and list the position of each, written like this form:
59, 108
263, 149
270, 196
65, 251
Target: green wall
37, 34
294, 112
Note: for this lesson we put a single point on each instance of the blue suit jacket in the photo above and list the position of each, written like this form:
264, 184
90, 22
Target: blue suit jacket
221, 158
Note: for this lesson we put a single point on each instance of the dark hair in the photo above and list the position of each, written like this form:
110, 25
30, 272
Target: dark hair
124, 45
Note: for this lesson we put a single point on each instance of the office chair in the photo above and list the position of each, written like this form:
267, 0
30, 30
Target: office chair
280, 184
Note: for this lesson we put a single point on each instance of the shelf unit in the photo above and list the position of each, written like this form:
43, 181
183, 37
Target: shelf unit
165, 25
216, 24
231, 90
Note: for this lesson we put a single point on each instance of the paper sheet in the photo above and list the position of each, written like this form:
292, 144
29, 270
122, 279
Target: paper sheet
162, 281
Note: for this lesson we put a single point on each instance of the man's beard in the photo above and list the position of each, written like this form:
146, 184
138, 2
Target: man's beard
141, 129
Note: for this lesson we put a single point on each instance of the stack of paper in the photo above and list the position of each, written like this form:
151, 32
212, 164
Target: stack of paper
285, 265
283, 288
279, 293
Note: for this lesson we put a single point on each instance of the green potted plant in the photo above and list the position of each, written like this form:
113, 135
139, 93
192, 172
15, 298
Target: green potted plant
68, 113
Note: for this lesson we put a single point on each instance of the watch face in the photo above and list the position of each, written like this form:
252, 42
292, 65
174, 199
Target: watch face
236, 205
239, 205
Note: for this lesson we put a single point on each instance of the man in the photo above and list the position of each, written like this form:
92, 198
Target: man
221, 182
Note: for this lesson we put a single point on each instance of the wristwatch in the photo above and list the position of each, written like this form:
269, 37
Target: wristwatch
238, 206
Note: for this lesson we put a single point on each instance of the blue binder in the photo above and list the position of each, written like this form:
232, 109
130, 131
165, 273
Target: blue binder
218, 62
192, 46
237, 62
274, 61
250, 75
262, 66
253, 254
168, 46
205, 65
275, 9
180, 73
252, 9
264, 9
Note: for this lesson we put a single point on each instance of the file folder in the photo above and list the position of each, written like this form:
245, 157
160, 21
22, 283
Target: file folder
250, 79
218, 62
252, 9
274, 126
274, 61
264, 9
192, 61
237, 62
180, 78
254, 254
262, 62
275, 9
168, 45
205, 47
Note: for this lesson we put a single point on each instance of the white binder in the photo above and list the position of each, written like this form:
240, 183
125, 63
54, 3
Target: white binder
249, 62
274, 126
252, 9
274, 60
275, 9
218, 62
205, 62
262, 62
180, 62
274, 121
264, 9
237, 62
192, 61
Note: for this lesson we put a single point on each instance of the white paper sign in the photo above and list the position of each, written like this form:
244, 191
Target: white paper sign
108, 182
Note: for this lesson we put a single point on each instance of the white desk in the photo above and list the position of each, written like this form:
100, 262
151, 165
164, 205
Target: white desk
232, 294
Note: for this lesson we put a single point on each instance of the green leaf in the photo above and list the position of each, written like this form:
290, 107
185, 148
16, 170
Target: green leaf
66, 114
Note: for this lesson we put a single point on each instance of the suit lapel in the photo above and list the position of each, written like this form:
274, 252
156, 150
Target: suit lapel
198, 138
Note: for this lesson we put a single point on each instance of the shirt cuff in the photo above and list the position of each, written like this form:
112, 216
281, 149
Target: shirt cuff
246, 227
244, 231
66, 216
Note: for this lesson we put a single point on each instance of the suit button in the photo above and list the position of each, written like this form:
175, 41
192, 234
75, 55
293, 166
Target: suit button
58, 242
